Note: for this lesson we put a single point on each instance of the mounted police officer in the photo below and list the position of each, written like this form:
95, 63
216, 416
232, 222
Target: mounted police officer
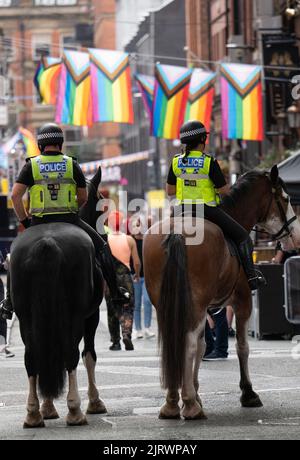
196, 179
57, 190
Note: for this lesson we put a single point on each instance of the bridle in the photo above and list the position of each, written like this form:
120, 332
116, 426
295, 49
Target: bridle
285, 230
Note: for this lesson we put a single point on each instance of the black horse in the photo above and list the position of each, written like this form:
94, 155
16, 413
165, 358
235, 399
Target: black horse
56, 292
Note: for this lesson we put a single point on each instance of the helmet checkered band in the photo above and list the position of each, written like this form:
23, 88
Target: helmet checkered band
45, 136
194, 132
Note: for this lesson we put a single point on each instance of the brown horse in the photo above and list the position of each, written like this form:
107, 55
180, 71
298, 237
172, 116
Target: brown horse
184, 281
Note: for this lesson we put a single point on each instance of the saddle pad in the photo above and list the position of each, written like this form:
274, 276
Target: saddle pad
232, 248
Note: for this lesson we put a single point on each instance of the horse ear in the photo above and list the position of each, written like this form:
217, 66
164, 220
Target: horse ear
99, 174
274, 175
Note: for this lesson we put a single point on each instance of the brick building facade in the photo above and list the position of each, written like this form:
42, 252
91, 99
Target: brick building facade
30, 28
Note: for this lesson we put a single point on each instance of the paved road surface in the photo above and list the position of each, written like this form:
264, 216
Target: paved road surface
129, 384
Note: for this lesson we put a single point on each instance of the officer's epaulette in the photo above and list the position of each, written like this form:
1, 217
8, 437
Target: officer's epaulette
29, 159
73, 158
178, 155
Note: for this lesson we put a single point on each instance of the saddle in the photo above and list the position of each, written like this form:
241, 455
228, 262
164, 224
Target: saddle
230, 243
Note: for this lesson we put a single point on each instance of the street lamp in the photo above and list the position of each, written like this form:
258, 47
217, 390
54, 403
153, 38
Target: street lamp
293, 12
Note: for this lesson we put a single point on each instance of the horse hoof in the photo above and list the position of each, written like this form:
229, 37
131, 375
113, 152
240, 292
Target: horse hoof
193, 412
29, 426
170, 412
200, 416
51, 416
80, 421
169, 417
252, 402
49, 412
96, 408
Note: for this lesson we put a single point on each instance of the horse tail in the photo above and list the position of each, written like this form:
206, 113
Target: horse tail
45, 267
174, 312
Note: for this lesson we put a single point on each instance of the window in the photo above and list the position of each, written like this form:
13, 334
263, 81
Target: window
54, 2
41, 46
7, 3
9, 49
68, 42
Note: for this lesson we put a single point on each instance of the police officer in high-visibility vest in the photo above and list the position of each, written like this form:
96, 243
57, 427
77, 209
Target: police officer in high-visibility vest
196, 179
57, 190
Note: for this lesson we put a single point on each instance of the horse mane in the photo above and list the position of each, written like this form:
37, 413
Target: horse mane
242, 187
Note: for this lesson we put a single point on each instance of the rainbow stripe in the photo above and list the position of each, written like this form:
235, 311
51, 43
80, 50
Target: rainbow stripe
201, 97
74, 104
29, 142
46, 79
170, 99
146, 85
242, 102
111, 86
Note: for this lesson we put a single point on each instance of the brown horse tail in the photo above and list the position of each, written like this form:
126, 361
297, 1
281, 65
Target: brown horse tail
49, 333
174, 312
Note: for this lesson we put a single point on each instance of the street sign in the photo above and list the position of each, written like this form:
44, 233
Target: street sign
3, 115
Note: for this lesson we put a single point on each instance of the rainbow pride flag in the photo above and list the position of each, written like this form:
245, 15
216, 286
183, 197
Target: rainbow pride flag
74, 103
146, 85
201, 97
46, 79
111, 86
170, 99
242, 102
28, 139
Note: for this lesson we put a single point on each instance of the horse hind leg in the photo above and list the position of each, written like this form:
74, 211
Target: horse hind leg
75, 416
34, 418
96, 406
192, 409
48, 410
171, 409
199, 357
249, 398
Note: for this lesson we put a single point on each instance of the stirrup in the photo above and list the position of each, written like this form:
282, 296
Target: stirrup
257, 281
6, 313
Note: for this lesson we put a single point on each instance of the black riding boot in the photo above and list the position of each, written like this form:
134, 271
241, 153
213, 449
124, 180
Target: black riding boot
108, 268
255, 277
6, 308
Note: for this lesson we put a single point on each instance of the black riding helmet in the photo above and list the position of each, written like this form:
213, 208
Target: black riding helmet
193, 131
50, 134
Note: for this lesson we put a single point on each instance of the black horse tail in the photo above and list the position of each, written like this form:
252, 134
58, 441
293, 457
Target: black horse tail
174, 312
45, 267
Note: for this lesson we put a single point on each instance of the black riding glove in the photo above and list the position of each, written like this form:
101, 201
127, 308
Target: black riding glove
26, 222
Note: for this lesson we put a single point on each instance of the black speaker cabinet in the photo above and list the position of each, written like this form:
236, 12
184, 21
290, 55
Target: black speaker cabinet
268, 316
3, 212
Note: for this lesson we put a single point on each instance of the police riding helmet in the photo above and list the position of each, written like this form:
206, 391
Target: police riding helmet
193, 132
50, 134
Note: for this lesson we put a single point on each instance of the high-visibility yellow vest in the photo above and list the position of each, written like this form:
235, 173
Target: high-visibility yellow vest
54, 190
194, 185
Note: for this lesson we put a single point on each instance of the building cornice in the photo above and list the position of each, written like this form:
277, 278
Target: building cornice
37, 12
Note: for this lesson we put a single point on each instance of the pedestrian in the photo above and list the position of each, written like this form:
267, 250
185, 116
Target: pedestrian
230, 318
123, 248
4, 352
217, 348
141, 296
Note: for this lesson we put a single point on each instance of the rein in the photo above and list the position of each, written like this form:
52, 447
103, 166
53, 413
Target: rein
285, 231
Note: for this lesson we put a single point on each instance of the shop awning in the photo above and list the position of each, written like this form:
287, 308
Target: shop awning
289, 171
